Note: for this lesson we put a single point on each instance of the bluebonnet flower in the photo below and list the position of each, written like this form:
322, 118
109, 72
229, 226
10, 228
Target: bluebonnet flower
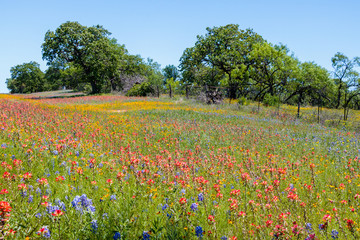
31, 199
146, 235
194, 207
169, 215
76, 201
50, 208
85, 202
223, 238
94, 225
38, 215
117, 236
38, 191
91, 155
60, 204
48, 192
164, 207
23, 193
81, 203
199, 232
100, 165
183, 191
91, 208
55, 152
308, 226
113, 197
12, 157
105, 215
334, 234
201, 197
45, 232
77, 153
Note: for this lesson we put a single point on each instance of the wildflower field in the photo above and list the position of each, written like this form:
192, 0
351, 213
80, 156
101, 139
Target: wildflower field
110, 167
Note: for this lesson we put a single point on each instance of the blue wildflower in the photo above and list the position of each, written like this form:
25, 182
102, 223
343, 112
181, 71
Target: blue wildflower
201, 197
308, 226
116, 236
164, 207
146, 235
199, 232
45, 232
223, 238
334, 234
91, 208
94, 225
113, 197
194, 207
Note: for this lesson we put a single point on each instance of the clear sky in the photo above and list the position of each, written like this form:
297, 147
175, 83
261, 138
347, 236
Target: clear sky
313, 29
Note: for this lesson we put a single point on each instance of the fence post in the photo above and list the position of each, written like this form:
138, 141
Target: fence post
170, 92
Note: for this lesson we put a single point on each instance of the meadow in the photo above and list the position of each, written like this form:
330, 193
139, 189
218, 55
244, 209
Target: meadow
111, 167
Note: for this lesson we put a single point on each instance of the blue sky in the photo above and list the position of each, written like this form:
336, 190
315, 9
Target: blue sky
314, 30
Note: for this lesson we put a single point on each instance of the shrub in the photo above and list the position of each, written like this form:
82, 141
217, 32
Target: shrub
270, 100
140, 90
242, 101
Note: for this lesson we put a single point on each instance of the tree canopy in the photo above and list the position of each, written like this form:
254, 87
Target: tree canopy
89, 48
26, 78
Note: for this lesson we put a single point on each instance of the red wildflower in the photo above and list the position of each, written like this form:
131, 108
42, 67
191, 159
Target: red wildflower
57, 213
182, 201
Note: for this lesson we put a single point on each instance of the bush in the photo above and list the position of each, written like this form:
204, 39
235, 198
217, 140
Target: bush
270, 100
140, 90
242, 101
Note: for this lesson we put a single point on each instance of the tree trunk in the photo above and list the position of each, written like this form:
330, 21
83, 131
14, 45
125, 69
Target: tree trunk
338, 96
187, 92
299, 104
95, 88
344, 113
170, 91
232, 90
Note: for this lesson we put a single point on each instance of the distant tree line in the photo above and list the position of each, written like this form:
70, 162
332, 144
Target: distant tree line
252, 68
84, 59
88, 59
